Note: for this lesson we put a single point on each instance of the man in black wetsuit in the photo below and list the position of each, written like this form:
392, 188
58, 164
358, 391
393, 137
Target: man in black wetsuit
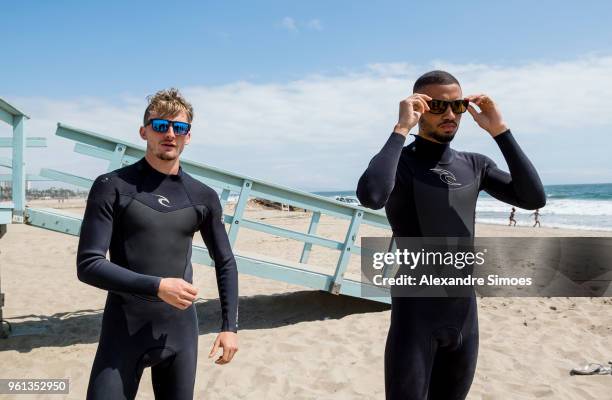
430, 189
146, 215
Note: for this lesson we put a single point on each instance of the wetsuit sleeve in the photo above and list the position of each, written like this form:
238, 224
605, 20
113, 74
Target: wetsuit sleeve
218, 245
522, 186
377, 182
93, 267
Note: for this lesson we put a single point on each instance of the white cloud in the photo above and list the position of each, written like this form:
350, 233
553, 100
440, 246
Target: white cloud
321, 131
292, 25
315, 24
289, 24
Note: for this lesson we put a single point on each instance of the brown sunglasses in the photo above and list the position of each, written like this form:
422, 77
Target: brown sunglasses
440, 106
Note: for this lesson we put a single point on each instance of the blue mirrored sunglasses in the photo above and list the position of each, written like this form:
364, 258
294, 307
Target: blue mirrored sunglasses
162, 126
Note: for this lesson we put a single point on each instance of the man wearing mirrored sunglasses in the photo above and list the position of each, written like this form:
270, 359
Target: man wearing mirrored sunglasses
145, 215
429, 189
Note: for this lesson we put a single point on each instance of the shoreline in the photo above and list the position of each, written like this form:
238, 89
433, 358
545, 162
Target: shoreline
77, 206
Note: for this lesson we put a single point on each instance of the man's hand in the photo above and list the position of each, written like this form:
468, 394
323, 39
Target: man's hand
229, 342
177, 292
490, 118
410, 111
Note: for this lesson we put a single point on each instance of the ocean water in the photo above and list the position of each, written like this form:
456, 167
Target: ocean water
584, 206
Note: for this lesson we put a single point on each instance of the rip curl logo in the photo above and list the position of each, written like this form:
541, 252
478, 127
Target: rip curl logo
446, 176
162, 200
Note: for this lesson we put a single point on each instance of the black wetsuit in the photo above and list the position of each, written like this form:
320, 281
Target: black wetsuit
429, 189
147, 220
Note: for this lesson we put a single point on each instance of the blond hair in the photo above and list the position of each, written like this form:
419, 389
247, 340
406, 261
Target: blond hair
166, 104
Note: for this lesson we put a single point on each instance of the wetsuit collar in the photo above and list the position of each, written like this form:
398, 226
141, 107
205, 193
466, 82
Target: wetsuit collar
430, 150
143, 165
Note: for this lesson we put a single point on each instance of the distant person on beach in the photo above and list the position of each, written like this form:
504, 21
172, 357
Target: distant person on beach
511, 218
536, 218
146, 214
430, 189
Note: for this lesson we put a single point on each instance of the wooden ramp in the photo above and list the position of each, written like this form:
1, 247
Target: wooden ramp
299, 272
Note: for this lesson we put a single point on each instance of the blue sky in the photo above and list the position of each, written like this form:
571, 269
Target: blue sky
74, 48
287, 72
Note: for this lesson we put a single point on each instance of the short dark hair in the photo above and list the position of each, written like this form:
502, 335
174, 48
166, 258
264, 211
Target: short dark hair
436, 77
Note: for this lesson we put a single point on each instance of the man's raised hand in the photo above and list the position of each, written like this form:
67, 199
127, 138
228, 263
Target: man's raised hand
410, 111
489, 118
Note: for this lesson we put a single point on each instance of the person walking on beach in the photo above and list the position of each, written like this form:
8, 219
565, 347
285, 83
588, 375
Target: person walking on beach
511, 218
146, 214
430, 189
536, 218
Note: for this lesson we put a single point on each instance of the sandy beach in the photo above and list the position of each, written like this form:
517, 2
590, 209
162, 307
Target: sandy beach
295, 343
